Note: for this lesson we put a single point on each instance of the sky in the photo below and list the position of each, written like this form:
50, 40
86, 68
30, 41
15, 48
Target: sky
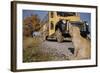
86, 17
41, 14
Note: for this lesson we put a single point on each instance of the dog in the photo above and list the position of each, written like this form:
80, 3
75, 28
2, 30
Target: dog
82, 45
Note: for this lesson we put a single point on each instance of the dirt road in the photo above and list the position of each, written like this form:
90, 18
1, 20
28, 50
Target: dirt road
59, 50
50, 50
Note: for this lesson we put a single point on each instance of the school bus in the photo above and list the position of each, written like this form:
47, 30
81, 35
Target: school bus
57, 26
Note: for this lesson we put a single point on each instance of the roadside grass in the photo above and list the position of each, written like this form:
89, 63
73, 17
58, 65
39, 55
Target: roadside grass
35, 55
34, 52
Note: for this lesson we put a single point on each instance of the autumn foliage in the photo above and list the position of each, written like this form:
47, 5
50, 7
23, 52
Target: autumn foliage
31, 24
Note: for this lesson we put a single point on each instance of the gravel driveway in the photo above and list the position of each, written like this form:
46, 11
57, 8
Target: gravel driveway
58, 50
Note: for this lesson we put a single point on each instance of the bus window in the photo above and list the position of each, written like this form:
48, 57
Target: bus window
65, 14
52, 14
52, 25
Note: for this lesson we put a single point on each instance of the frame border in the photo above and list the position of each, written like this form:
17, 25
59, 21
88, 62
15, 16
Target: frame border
14, 35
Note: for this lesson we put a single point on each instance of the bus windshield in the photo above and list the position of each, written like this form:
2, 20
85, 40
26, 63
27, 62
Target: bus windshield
64, 14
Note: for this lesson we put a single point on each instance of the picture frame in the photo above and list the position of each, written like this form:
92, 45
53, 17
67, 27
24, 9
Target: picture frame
22, 9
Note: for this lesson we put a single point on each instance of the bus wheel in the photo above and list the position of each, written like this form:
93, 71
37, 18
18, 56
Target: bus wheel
45, 37
59, 36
